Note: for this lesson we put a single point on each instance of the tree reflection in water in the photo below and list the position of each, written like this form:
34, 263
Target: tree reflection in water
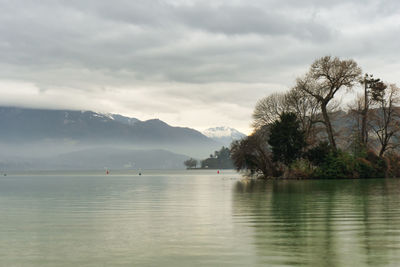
321, 222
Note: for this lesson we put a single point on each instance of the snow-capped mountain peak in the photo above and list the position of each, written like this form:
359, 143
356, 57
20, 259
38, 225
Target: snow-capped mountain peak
223, 134
222, 131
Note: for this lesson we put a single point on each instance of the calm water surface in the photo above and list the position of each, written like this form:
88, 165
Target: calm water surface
196, 218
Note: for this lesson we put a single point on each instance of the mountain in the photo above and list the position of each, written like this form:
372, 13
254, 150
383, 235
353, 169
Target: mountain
223, 134
123, 119
19, 124
40, 132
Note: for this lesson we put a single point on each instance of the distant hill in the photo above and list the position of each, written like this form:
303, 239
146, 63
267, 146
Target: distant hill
85, 129
223, 134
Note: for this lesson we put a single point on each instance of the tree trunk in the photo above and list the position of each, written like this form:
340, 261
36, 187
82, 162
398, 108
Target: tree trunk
385, 135
328, 126
383, 148
364, 132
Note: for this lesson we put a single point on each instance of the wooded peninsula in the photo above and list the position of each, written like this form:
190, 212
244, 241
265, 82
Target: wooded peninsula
306, 132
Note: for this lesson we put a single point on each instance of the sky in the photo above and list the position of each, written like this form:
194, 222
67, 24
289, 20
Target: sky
190, 63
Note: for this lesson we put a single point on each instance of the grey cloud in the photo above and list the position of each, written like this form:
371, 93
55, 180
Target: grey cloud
225, 19
247, 20
231, 52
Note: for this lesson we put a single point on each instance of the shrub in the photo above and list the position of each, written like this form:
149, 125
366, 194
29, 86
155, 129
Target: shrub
363, 169
341, 164
337, 164
301, 169
393, 165
379, 164
317, 155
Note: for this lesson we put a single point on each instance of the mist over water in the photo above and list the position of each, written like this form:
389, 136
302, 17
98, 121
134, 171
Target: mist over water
196, 218
61, 156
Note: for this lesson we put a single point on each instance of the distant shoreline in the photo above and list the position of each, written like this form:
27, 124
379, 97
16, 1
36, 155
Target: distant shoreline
195, 169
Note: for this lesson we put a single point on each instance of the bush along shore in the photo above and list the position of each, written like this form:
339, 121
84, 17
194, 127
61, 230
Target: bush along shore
306, 133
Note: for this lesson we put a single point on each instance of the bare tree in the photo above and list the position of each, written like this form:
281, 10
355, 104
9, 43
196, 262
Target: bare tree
306, 108
268, 109
253, 155
325, 78
385, 120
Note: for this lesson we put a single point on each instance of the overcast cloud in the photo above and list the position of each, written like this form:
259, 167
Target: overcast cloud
190, 63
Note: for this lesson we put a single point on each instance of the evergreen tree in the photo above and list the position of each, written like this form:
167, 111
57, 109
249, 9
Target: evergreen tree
286, 139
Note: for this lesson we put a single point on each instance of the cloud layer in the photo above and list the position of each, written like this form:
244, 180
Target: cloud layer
190, 63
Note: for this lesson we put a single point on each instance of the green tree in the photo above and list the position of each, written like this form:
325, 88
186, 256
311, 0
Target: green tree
220, 160
286, 139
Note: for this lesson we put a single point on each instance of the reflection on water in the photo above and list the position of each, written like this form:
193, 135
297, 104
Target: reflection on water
322, 223
88, 219
196, 218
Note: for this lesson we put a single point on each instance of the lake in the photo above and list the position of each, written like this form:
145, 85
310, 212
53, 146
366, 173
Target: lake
196, 218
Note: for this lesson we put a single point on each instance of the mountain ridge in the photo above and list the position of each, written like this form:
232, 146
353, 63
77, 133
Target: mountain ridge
27, 131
